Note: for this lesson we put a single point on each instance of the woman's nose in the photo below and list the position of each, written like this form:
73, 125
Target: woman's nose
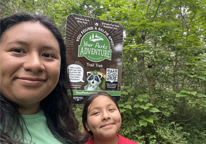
33, 63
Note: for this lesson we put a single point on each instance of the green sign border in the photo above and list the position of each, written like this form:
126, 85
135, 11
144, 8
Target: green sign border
85, 92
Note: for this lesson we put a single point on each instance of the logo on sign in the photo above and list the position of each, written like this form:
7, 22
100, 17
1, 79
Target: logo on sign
95, 47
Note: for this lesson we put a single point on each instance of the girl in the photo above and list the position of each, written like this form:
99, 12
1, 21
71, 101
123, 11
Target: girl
102, 120
34, 104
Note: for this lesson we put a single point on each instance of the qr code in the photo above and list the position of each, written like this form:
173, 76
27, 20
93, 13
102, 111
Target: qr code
112, 75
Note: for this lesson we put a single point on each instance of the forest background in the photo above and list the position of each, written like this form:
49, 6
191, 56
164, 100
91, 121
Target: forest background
163, 99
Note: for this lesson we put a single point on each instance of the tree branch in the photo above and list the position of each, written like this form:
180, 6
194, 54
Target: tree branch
157, 10
184, 23
148, 8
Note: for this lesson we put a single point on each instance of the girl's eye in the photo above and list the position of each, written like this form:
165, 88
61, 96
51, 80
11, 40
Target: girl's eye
96, 113
48, 55
17, 50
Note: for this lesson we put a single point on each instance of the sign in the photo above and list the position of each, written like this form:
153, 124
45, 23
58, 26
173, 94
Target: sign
94, 56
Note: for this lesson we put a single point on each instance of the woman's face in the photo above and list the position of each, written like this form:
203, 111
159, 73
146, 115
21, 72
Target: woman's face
29, 65
103, 118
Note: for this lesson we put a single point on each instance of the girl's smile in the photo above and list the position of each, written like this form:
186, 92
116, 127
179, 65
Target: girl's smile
107, 125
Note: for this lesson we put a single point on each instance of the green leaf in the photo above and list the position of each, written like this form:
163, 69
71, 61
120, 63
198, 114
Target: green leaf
140, 99
128, 103
202, 78
144, 51
143, 123
128, 107
154, 110
122, 110
143, 95
158, 60
181, 71
149, 104
142, 117
121, 105
124, 93
193, 92
128, 111
180, 95
154, 117
192, 76
203, 3
188, 92
150, 120
144, 107
185, 91
139, 111
179, 44
173, 92
201, 95
157, 49
136, 105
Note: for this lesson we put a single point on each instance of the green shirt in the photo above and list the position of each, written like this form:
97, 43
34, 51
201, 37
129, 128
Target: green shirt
38, 129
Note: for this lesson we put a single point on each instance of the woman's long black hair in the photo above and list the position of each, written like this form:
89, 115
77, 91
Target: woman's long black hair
57, 106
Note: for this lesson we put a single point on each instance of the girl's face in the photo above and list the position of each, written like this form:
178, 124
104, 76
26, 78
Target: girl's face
29, 65
103, 118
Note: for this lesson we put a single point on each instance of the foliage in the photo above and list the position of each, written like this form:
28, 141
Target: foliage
171, 133
164, 62
78, 114
138, 114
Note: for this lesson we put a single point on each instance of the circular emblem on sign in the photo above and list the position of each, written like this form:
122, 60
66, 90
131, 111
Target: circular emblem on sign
95, 47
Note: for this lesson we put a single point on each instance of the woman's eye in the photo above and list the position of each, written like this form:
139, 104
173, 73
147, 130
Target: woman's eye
111, 109
17, 50
48, 55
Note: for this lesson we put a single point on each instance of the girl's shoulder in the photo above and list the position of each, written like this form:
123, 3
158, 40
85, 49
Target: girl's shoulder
123, 140
90, 141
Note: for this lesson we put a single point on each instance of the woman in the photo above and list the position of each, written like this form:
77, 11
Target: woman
102, 120
34, 104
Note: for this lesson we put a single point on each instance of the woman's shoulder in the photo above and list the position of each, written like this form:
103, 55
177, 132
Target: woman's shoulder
123, 140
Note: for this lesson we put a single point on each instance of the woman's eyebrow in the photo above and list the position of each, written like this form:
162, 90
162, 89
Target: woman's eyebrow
25, 43
17, 42
110, 104
51, 48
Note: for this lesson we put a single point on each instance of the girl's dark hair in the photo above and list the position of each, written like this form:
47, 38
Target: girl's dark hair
57, 106
88, 100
